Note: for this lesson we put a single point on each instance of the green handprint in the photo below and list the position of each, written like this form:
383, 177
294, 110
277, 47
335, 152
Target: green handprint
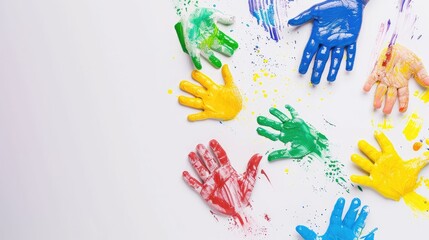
199, 35
304, 138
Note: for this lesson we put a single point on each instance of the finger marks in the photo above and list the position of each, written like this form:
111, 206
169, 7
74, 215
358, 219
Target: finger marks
362, 162
207, 157
269, 123
193, 89
351, 53
403, 96
392, 93
360, 222
349, 219
198, 116
336, 58
219, 152
369, 150
279, 115
203, 79
309, 51
361, 180
192, 182
380, 92
196, 163
337, 212
385, 144
227, 76
191, 102
319, 64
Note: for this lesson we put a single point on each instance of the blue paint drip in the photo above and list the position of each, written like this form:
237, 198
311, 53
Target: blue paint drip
370, 235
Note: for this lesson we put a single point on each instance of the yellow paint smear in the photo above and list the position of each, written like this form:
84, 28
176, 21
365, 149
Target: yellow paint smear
424, 96
386, 124
426, 181
413, 127
417, 202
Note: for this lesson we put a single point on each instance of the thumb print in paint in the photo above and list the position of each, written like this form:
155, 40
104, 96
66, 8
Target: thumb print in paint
224, 190
349, 228
389, 175
222, 102
305, 141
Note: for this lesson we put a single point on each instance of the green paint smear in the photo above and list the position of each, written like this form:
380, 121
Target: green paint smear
306, 143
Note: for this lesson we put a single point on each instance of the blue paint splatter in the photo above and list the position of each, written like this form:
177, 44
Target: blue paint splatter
268, 14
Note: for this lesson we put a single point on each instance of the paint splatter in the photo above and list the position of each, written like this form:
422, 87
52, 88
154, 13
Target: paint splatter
267, 217
386, 124
185, 6
266, 176
417, 146
423, 96
413, 126
170, 91
269, 14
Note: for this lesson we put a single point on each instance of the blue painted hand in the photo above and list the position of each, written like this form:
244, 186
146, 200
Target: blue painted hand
336, 26
348, 229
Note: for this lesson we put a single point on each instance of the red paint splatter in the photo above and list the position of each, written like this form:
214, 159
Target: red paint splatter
214, 215
265, 174
267, 217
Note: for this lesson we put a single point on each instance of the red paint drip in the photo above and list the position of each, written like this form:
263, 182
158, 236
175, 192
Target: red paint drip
267, 217
265, 174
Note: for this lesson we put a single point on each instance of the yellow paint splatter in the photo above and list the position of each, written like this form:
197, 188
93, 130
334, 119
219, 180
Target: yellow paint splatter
426, 181
417, 146
256, 76
287, 170
424, 96
427, 141
170, 91
417, 202
265, 60
386, 124
299, 99
413, 127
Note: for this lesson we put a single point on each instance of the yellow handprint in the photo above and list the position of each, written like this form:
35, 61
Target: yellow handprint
395, 66
216, 101
389, 174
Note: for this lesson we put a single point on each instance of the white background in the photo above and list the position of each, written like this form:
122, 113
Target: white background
92, 146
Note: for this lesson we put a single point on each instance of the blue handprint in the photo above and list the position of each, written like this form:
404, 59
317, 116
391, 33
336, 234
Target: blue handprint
348, 229
336, 26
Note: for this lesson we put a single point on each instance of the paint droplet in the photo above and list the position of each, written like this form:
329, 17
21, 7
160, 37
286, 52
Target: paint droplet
267, 217
427, 141
170, 91
417, 146
360, 188
287, 170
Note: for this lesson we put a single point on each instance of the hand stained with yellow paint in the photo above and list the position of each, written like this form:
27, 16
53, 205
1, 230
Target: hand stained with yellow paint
389, 175
395, 66
222, 102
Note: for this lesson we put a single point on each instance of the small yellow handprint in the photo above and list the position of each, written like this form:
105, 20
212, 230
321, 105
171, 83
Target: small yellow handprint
389, 175
216, 101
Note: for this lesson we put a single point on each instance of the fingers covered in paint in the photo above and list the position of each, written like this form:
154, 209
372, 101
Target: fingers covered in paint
222, 102
395, 66
388, 173
288, 127
198, 34
349, 228
336, 26
224, 190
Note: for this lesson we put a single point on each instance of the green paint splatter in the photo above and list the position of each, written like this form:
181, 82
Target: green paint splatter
184, 6
303, 141
360, 188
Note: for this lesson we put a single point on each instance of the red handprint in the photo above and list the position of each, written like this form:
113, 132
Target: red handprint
224, 190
